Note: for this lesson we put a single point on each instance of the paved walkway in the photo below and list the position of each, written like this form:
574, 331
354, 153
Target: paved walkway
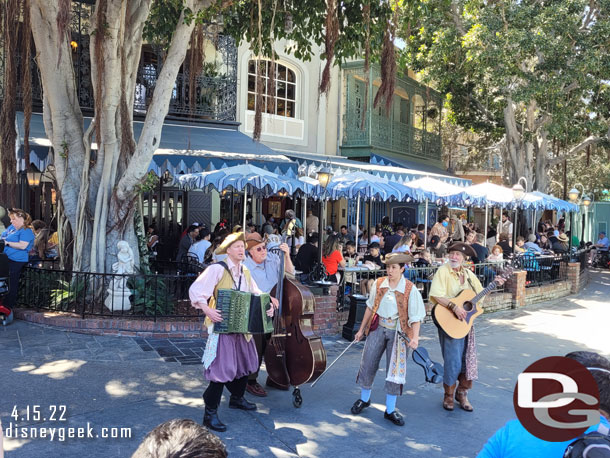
110, 382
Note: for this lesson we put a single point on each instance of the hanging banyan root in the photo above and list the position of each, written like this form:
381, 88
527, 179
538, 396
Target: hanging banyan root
366, 16
259, 100
388, 68
196, 58
332, 34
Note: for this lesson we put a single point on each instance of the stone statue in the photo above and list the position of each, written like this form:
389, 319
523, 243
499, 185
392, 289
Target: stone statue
118, 292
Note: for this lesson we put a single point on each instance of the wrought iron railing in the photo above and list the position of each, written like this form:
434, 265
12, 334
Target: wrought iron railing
360, 282
543, 269
110, 295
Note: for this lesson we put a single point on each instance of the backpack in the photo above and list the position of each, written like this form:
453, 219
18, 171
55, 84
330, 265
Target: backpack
596, 444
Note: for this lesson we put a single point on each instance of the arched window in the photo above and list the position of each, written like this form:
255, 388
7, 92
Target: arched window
285, 89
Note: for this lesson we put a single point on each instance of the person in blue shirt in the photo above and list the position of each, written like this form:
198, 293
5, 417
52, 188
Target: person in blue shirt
514, 441
531, 244
602, 245
18, 240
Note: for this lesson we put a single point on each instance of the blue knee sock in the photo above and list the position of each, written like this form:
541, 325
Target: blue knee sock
365, 395
390, 403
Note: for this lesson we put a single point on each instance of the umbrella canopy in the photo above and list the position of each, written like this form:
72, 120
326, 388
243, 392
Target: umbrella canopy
554, 203
260, 181
441, 192
487, 193
368, 186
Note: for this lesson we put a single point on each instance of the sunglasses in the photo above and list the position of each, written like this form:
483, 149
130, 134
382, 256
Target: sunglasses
258, 249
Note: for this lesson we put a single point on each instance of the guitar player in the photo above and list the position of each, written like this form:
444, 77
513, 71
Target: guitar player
459, 355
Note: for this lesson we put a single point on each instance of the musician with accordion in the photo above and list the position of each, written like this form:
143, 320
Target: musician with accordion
235, 308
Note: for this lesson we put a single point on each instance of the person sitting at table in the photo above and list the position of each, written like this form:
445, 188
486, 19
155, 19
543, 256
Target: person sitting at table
531, 244
437, 249
562, 245
332, 257
352, 258
475, 240
520, 248
496, 254
404, 244
373, 261
308, 254
507, 249
544, 243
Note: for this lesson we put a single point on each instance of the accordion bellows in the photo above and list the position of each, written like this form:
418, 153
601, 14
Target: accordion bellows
243, 312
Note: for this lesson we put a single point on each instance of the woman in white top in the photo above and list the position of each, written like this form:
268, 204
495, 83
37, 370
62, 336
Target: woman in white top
403, 245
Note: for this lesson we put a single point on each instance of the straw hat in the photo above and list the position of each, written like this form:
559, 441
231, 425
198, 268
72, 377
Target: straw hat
398, 258
463, 248
230, 240
253, 239
563, 238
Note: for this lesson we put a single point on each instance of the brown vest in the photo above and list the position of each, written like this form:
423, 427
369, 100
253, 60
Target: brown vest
402, 302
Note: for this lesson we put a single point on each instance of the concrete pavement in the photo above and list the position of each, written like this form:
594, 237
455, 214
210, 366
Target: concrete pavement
109, 382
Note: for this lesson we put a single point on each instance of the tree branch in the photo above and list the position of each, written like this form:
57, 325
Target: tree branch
591, 140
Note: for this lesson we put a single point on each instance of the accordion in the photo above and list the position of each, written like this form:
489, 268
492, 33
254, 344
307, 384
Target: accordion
243, 313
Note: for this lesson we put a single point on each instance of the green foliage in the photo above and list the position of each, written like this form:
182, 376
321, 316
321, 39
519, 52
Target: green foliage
151, 295
484, 54
142, 243
300, 22
67, 294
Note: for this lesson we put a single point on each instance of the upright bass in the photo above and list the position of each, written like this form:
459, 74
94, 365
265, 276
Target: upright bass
294, 355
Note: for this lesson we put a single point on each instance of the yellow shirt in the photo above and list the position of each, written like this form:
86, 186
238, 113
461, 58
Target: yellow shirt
53, 240
446, 282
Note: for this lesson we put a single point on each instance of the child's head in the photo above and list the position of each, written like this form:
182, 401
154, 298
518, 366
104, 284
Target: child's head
350, 247
520, 241
374, 249
496, 250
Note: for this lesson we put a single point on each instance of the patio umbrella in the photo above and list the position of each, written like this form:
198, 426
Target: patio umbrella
243, 178
554, 203
439, 192
356, 185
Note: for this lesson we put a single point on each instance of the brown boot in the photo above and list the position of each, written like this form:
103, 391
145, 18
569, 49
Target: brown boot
448, 398
462, 391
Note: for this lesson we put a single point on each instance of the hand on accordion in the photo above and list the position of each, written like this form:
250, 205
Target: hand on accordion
213, 314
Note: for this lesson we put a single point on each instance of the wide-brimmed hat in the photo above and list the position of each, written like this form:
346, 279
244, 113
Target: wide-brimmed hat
463, 248
398, 258
253, 239
563, 238
230, 240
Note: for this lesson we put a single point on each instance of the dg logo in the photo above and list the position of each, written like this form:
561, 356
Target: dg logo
556, 399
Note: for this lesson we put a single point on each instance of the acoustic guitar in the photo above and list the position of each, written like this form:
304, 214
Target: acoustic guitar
467, 299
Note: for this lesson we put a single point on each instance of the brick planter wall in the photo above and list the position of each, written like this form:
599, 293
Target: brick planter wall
547, 292
327, 321
516, 287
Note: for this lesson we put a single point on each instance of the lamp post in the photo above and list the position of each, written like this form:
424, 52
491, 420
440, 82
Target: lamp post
518, 193
574, 195
324, 176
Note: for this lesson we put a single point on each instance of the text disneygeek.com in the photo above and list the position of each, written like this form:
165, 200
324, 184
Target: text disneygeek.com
63, 433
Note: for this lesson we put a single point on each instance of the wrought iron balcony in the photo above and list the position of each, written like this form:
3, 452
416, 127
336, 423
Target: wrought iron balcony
215, 88
412, 127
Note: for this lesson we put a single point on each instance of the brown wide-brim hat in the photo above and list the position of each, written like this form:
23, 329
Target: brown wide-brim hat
398, 258
230, 240
463, 248
253, 239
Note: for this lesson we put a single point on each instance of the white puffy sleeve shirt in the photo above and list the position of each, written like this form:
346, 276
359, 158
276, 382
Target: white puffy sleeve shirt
388, 308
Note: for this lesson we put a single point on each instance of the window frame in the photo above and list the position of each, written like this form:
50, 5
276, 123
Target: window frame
285, 99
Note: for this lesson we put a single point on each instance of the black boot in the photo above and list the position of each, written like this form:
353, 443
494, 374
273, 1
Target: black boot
241, 403
211, 420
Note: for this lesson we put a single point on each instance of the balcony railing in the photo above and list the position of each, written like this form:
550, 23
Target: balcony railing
395, 131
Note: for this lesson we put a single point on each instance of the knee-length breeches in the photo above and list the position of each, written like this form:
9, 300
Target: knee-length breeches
378, 341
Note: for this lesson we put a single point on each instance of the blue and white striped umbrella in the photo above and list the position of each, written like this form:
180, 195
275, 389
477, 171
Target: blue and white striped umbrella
439, 192
257, 180
490, 194
554, 203
365, 185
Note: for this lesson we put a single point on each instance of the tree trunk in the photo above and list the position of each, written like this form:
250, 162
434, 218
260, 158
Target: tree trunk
98, 194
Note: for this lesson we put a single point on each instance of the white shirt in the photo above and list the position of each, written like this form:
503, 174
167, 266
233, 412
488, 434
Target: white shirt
388, 308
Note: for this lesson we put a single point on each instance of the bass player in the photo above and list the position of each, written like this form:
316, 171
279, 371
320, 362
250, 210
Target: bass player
459, 355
